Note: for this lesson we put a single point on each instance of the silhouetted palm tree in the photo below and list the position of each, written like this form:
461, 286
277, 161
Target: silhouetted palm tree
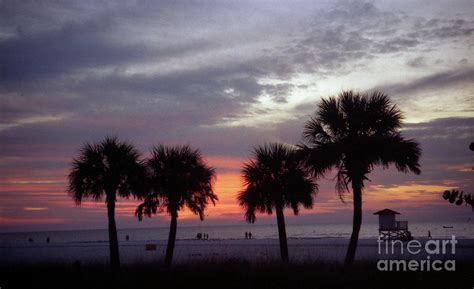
109, 168
179, 178
276, 179
353, 133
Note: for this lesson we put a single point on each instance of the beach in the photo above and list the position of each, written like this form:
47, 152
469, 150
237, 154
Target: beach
301, 250
232, 263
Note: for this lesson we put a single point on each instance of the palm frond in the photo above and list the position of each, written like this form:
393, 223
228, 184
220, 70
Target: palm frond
106, 168
181, 177
394, 149
150, 206
355, 132
276, 175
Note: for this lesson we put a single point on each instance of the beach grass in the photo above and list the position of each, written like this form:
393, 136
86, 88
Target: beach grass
230, 274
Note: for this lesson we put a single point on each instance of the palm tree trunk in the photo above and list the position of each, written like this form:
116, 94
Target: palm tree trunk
282, 233
171, 239
356, 222
113, 240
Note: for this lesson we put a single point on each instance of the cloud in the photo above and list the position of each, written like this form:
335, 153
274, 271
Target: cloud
432, 82
223, 77
416, 62
35, 209
77, 47
444, 29
396, 44
93, 64
444, 128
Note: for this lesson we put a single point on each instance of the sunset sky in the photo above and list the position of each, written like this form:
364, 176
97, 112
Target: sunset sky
225, 76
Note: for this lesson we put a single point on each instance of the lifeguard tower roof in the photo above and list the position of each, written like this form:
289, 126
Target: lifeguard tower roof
386, 212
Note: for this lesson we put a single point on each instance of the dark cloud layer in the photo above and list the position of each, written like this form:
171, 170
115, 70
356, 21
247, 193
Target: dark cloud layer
432, 82
79, 65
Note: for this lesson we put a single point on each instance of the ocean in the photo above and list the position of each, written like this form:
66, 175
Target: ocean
463, 230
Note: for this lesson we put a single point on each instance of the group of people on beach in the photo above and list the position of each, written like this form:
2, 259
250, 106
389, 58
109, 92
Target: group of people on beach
30, 240
248, 235
202, 236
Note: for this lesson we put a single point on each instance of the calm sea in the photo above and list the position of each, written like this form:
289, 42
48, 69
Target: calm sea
438, 230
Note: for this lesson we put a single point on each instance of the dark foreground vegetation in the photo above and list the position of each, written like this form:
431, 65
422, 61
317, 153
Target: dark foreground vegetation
230, 275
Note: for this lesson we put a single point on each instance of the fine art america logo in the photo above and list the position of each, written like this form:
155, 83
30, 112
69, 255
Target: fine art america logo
432, 255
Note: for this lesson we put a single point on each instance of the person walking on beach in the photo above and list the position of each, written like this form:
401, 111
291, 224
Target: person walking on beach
429, 234
250, 235
47, 240
246, 235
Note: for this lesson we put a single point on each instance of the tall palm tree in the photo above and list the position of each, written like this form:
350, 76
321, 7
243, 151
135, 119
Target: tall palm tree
110, 168
178, 177
276, 179
354, 133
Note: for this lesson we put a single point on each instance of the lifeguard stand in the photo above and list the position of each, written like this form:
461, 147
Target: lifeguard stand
390, 228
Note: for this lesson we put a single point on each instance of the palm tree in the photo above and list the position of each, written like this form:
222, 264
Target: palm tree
354, 133
109, 168
276, 179
178, 177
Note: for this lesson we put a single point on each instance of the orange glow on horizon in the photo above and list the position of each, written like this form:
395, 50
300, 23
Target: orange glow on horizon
27, 221
35, 209
225, 162
43, 191
412, 193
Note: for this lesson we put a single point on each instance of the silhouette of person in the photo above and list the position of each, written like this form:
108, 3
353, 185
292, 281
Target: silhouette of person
127, 237
246, 235
250, 235
47, 240
429, 234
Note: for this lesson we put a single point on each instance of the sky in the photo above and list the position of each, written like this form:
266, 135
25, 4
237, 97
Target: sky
224, 77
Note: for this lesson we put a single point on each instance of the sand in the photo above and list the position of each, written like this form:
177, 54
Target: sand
255, 250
